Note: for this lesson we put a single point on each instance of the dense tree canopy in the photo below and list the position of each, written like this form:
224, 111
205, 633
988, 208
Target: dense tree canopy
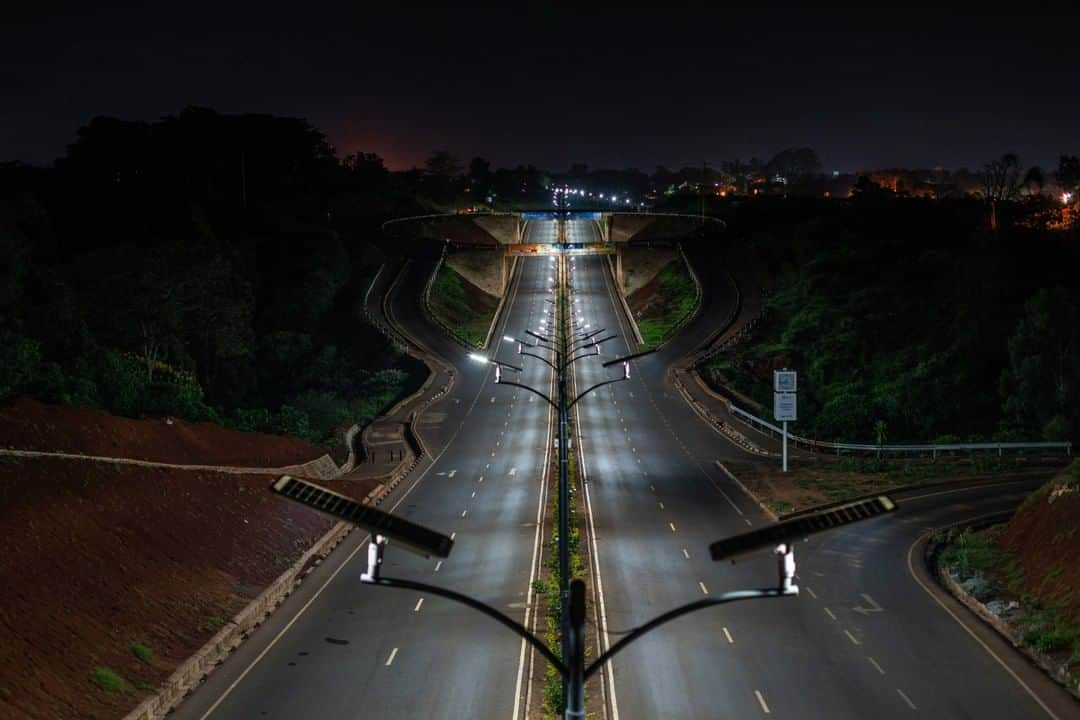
201, 266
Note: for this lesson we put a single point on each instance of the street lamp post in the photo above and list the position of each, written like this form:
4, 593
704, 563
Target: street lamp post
385, 527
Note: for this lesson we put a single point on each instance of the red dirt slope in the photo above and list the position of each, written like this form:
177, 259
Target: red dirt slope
1043, 535
99, 555
28, 424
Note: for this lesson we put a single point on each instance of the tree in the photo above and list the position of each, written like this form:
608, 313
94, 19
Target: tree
794, 164
1041, 385
1068, 174
480, 176
443, 165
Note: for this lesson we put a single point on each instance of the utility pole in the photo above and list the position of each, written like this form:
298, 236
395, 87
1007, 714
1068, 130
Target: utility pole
563, 321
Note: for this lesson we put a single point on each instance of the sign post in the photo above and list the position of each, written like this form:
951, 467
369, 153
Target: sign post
785, 386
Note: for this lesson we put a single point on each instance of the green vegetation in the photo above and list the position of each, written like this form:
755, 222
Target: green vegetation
213, 622
968, 553
142, 651
108, 680
912, 316
467, 313
139, 276
676, 301
987, 571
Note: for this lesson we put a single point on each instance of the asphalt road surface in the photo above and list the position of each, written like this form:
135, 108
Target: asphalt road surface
863, 640
362, 651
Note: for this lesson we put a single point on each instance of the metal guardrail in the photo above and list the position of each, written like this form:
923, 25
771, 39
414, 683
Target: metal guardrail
433, 216
932, 448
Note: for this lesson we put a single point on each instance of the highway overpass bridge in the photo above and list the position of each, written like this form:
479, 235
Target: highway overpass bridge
513, 235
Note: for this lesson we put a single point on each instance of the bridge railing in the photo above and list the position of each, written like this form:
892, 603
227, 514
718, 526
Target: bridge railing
435, 216
916, 449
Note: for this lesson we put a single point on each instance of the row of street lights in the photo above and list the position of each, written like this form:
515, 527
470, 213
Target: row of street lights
559, 345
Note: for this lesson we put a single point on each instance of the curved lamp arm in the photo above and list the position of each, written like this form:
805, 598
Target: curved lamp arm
533, 391
477, 605
541, 358
594, 387
679, 612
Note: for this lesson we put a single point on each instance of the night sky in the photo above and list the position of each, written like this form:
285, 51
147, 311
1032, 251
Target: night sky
555, 85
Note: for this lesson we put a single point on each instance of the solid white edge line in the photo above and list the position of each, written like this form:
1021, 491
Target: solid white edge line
434, 462
969, 631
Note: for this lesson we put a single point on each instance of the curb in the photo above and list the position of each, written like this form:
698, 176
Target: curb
762, 506
213, 653
1057, 673
625, 306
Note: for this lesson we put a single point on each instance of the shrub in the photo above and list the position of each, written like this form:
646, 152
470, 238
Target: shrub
970, 553
142, 651
184, 401
19, 360
108, 680
1052, 640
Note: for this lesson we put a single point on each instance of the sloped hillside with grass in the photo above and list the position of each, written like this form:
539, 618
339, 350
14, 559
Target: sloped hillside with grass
463, 308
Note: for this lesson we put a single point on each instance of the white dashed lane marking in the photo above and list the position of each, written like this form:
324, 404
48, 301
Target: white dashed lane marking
685, 554
418, 604
393, 654
761, 701
728, 636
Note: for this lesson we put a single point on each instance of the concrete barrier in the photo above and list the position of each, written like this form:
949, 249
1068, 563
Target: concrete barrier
188, 676
196, 668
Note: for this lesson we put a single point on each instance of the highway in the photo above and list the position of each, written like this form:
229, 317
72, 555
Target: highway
362, 651
864, 639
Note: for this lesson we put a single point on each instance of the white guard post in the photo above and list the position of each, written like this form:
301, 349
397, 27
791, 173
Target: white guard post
374, 559
785, 567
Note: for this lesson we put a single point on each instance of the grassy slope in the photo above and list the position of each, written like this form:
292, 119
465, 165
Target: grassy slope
664, 302
464, 308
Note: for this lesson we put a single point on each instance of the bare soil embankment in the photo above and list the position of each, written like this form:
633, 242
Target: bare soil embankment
27, 424
99, 556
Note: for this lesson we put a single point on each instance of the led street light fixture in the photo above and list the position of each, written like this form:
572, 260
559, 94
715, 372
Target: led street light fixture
416, 538
786, 532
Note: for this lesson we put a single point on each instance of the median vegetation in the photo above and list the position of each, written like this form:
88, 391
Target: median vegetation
463, 309
665, 303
